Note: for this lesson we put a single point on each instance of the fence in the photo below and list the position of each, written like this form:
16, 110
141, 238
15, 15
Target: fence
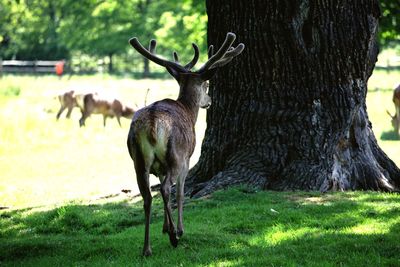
48, 66
18, 66
391, 63
85, 65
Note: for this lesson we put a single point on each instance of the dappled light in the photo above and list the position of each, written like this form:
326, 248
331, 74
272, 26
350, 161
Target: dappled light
270, 154
356, 229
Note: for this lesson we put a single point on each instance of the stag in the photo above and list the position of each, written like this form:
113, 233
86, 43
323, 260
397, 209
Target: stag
161, 138
396, 116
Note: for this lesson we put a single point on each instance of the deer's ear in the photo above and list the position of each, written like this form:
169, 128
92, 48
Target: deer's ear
173, 72
207, 75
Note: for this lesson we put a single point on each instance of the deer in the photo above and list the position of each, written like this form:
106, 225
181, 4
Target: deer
95, 104
161, 137
396, 116
68, 100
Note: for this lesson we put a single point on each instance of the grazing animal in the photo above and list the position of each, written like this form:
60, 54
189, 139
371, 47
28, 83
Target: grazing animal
161, 138
68, 100
396, 116
95, 104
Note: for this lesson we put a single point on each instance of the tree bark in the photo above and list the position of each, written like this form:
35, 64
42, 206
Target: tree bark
110, 63
289, 113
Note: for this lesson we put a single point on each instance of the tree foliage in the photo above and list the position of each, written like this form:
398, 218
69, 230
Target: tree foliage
56, 29
390, 22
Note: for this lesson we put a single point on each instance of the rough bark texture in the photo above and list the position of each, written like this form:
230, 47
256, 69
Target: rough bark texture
290, 113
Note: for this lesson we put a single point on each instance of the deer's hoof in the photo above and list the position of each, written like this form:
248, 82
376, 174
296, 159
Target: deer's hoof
173, 240
147, 252
179, 234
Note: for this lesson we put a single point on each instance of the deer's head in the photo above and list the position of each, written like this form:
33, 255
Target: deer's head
193, 84
395, 121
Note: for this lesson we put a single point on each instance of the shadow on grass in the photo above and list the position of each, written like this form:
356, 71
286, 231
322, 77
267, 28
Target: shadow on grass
230, 228
98, 219
390, 135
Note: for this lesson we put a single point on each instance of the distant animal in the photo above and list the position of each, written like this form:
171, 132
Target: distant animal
96, 104
161, 138
396, 116
68, 100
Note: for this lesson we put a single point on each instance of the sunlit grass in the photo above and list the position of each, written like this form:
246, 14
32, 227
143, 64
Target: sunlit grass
230, 228
43, 161
378, 103
384, 80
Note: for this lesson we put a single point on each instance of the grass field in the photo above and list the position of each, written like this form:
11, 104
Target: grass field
44, 161
232, 228
45, 164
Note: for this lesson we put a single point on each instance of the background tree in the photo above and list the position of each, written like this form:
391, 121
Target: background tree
5, 28
98, 29
29, 30
290, 112
389, 24
172, 23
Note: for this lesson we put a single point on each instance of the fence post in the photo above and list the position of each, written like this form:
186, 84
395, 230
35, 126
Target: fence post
388, 65
35, 67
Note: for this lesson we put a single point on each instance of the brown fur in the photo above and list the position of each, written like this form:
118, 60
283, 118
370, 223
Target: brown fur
94, 104
162, 138
67, 101
161, 141
396, 117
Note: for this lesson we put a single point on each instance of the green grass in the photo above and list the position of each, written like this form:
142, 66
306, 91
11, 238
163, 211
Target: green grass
379, 100
230, 228
384, 80
44, 161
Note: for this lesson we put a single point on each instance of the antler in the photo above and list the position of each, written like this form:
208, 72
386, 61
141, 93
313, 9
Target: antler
224, 55
149, 54
193, 62
174, 65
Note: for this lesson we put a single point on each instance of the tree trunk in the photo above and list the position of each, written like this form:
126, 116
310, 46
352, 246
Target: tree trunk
146, 68
289, 113
110, 63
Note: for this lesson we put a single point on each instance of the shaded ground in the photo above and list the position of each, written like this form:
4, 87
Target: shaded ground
238, 227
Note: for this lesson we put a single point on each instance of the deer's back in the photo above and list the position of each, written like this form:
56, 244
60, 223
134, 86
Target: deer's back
163, 132
98, 105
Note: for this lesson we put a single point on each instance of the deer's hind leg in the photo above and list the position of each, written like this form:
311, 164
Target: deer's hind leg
180, 195
142, 177
165, 228
165, 193
69, 112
